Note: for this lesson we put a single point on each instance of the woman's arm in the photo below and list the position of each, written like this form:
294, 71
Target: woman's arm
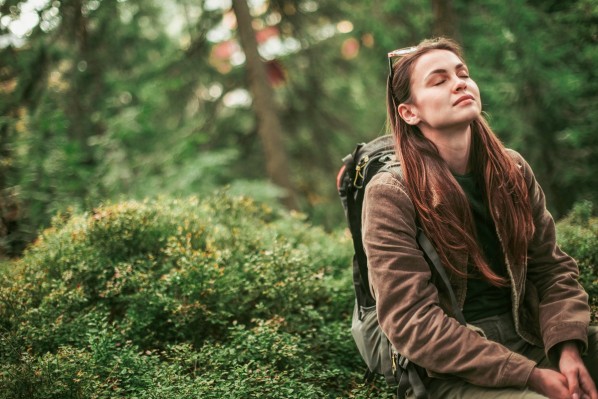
408, 304
564, 313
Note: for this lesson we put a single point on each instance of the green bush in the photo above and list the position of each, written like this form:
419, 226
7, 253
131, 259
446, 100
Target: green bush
220, 298
578, 236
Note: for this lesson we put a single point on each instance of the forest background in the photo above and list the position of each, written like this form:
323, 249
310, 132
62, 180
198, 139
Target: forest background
112, 99
169, 221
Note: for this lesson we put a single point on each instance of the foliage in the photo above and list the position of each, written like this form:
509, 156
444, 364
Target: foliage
129, 98
578, 236
537, 85
221, 297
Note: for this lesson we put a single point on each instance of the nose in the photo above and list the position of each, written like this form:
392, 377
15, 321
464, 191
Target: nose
460, 84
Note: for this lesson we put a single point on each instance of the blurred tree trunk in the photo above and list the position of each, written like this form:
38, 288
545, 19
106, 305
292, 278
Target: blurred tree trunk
22, 78
85, 80
445, 22
269, 126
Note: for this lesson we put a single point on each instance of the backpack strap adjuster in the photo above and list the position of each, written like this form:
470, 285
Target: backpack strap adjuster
359, 177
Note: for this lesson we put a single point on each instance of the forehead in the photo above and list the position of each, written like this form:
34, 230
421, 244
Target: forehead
435, 60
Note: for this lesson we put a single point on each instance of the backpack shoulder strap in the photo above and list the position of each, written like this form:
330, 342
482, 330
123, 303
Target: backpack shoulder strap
426, 245
394, 168
432, 255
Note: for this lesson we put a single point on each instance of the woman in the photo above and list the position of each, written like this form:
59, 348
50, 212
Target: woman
481, 206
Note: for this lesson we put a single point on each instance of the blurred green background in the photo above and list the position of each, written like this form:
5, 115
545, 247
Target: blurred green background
105, 100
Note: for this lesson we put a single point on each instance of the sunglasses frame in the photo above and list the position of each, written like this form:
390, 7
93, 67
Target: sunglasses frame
397, 53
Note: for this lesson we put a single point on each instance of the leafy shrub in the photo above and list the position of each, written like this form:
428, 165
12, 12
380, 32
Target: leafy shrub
578, 236
220, 298
172, 271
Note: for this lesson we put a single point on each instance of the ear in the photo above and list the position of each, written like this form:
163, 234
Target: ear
407, 113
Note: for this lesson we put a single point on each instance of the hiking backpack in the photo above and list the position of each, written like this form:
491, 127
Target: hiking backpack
358, 168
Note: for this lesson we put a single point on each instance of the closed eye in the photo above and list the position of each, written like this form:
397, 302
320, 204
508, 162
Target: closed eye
463, 72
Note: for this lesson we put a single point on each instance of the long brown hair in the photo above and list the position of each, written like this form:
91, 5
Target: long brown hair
441, 204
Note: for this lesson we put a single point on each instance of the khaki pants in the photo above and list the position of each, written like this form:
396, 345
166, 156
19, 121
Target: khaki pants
501, 329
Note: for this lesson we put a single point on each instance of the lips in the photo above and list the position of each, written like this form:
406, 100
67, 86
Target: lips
464, 98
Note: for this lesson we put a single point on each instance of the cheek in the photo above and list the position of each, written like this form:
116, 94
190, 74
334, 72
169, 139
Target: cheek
475, 89
428, 101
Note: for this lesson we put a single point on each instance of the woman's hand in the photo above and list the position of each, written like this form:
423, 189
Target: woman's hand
579, 380
549, 383
573, 382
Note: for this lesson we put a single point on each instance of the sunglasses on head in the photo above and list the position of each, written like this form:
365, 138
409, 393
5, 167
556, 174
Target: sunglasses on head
393, 54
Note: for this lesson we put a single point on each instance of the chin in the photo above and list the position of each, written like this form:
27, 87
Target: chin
472, 116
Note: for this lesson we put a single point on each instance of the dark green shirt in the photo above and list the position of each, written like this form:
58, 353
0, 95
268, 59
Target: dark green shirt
484, 299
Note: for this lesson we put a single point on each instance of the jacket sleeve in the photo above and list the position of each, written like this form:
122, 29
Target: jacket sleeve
564, 313
408, 304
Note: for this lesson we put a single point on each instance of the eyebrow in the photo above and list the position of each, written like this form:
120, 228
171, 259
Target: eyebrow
436, 71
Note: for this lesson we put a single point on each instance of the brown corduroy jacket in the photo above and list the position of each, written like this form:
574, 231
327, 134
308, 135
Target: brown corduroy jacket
549, 304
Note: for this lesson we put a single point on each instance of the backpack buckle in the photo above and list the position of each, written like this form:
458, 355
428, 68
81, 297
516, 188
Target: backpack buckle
358, 175
403, 362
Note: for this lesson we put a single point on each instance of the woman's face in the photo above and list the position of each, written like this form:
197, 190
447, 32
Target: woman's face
443, 96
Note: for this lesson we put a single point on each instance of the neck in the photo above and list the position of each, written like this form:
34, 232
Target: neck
453, 146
